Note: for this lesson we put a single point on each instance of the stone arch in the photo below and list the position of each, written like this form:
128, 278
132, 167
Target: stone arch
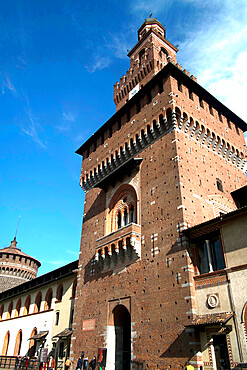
32, 344
6, 344
27, 305
122, 325
244, 319
1, 311
59, 294
18, 308
10, 309
125, 198
48, 299
38, 300
18, 342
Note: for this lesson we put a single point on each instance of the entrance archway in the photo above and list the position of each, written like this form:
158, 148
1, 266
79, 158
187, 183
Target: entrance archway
122, 324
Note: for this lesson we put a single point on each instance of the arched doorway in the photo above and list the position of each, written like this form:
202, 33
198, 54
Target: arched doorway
5, 344
122, 324
32, 344
18, 343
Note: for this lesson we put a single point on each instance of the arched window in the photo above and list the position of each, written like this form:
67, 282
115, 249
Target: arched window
18, 341
1, 311
122, 208
141, 54
27, 305
38, 301
119, 220
48, 299
132, 213
125, 217
18, 308
6, 344
74, 289
164, 51
60, 292
10, 310
32, 343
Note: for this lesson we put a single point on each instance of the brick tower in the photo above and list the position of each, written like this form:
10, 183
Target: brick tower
168, 158
16, 267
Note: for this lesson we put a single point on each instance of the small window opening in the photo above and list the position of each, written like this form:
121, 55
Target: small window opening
57, 318
219, 185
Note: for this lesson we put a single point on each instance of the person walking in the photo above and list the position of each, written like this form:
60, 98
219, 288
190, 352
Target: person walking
51, 363
67, 364
92, 363
79, 363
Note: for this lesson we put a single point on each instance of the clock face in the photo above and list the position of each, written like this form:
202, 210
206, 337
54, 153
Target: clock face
212, 300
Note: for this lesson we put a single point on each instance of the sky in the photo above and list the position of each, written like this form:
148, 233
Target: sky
59, 61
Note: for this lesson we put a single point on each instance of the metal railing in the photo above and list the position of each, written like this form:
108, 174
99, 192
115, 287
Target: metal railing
17, 363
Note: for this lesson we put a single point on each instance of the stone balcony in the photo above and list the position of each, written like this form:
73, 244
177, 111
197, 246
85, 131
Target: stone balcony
126, 238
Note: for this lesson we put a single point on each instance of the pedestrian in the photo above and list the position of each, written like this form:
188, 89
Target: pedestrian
51, 363
79, 363
92, 363
67, 364
85, 363
26, 362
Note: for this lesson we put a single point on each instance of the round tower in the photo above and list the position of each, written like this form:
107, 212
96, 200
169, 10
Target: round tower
16, 267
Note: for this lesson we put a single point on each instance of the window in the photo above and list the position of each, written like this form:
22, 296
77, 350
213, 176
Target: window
57, 318
141, 54
122, 209
191, 95
179, 86
125, 217
209, 253
61, 350
119, 220
219, 185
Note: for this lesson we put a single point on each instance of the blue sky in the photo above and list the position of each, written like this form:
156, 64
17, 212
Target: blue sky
58, 63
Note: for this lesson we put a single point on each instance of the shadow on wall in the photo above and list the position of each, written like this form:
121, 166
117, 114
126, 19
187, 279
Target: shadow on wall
98, 206
180, 349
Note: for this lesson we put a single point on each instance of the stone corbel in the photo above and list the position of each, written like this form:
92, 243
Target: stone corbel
136, 245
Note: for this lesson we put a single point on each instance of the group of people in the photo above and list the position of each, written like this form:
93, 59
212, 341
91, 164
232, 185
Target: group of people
82, 363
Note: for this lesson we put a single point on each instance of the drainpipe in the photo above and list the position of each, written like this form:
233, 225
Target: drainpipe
234, 317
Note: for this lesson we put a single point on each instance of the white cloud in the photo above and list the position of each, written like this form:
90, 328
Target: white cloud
145, 7
69, 116
216, 53
8, 85
98, 63
73, 253
32, 129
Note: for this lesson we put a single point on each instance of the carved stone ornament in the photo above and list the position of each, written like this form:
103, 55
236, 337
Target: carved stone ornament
213, 300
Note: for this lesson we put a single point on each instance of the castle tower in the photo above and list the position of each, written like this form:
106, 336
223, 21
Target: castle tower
16, 267
168, 159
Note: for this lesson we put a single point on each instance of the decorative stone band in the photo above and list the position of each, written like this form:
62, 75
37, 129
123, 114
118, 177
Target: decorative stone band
172, 119
119, 239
